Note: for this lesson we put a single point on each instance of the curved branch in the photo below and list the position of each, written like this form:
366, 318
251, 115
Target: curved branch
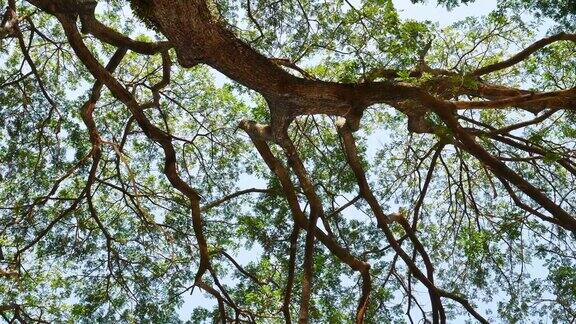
151, 131
85, 10
316, 211
522, 55
300, 219
383, 222
110, 36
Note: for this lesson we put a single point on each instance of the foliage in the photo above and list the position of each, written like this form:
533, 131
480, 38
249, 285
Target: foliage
95, 230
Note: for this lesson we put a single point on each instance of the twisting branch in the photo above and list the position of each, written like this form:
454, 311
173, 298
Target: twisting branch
86, 113
316, 212
91, 25
221, 308
153, 132
254, 130
383, 222
110, 36
166, 72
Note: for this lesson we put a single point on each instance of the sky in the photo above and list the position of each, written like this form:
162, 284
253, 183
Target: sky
407, 10
430, 11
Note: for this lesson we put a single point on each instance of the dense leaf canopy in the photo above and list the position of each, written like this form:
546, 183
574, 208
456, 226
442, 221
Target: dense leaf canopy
295, 160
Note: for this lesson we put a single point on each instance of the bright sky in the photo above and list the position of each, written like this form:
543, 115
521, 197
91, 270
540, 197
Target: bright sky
432, 12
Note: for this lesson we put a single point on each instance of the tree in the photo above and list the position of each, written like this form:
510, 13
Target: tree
370, 168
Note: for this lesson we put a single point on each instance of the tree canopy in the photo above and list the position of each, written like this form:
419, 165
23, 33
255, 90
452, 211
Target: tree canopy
295, 160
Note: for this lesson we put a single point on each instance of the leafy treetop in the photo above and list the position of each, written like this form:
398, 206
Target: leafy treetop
297, 160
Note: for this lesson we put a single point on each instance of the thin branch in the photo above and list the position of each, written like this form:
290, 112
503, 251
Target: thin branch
522, 55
